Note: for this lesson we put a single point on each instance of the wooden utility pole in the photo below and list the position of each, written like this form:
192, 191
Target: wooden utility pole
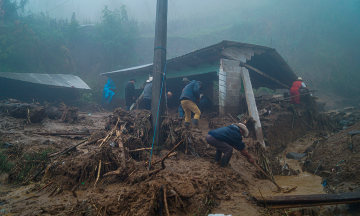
157, 110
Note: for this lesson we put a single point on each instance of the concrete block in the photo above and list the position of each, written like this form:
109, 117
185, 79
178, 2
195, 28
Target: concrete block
235, 86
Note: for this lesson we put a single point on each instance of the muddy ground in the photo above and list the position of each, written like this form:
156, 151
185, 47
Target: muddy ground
113, 179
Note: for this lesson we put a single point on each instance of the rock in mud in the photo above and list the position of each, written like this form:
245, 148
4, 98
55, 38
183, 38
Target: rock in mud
295, 156
309, 149
184, 189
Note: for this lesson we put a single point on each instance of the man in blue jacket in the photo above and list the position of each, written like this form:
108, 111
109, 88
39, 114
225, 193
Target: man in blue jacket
189, 96
225, 139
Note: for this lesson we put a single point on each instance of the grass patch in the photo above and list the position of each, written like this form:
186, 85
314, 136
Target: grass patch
5, 165
27, 165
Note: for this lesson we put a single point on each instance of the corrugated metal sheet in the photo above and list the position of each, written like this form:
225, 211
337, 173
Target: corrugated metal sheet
269, 62
61, 80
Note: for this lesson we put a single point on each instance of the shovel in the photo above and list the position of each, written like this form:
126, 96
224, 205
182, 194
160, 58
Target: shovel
280, 189
268, 177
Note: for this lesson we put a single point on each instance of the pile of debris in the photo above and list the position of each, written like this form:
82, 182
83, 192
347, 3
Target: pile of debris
35, 112
334, 156
120, 154
284, 123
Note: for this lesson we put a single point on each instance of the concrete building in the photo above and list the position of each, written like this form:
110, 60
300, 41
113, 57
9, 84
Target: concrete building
223, 69
220, 68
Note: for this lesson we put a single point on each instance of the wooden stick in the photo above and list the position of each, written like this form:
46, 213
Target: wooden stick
158, 161
163, 159
268, 176
58, 134
142, 149
262, 197
47, 185
111, 133
165, 201
264, 74
98, 175
167, 155
232, 118
69, 149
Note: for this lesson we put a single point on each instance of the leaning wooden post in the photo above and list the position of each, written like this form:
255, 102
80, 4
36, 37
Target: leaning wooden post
250, 99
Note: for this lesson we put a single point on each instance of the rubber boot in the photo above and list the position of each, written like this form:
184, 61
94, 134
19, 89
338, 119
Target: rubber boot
225, 160
195, 123
218, 157
187, 125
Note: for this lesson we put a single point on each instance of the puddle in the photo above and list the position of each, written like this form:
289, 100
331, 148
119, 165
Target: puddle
306, 183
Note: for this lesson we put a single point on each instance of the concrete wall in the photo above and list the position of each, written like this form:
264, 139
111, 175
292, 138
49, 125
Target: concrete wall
229, 87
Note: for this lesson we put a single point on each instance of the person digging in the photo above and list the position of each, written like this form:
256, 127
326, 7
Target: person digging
224, 139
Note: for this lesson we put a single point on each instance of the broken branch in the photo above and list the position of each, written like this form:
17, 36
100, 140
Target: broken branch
111, 133
98, 175
165, 201
142, 149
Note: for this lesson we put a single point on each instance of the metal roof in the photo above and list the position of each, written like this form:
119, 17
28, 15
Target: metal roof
60, 80
269, 62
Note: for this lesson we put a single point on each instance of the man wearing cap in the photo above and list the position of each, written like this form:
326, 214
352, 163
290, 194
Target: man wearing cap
189, 96
225, 139
295, 89
130, 93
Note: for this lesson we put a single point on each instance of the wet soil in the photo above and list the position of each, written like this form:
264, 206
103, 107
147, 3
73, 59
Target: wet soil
194, 185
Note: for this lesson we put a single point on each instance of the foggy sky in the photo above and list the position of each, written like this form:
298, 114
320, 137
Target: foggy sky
142, 10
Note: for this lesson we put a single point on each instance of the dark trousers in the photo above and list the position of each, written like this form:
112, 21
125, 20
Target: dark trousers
128, 108
147, 104
220, 145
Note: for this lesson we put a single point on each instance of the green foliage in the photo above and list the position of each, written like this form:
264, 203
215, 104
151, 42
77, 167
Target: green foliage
116, 35
86, 98
5, 165
73, 32
30, 44
27, 165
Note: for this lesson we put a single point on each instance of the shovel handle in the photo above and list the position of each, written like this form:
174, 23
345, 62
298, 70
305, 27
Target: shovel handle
267, 176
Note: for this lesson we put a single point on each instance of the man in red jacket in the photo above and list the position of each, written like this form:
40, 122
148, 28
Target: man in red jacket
294, 91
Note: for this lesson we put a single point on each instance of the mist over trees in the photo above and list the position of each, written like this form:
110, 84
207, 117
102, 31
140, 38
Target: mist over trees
317, 38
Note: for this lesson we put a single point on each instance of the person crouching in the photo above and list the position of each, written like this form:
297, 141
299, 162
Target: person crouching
224, 139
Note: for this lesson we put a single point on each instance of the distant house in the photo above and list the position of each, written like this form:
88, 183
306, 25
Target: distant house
29, 87
220, 68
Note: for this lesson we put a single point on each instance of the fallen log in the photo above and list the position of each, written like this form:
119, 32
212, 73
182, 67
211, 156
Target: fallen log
308, 200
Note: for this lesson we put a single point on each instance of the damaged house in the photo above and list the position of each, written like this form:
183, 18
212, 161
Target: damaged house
224, 69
